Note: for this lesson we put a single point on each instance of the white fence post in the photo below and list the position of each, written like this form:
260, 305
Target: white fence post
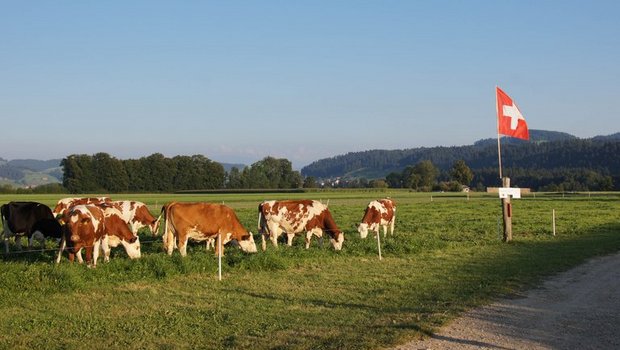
219, 257
553, 216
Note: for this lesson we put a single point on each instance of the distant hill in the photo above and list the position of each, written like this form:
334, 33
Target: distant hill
30, 172
536, 136
545, 150
611, 137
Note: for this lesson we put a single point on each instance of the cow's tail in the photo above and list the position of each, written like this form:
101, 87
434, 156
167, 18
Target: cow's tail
262, 225
168, 236
162, 216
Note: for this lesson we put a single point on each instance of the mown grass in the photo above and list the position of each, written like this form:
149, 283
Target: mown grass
445, 257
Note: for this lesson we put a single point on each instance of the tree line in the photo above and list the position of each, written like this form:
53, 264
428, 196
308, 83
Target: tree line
101, 172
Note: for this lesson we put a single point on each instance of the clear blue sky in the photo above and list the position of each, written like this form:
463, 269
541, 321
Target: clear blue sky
240, 80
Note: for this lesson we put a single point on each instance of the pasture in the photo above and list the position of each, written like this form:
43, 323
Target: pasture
446, 256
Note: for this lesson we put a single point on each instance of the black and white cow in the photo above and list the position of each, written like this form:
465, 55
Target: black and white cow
31, 219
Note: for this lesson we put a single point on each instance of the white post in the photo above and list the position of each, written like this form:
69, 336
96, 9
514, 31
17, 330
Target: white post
553, 216
219, 257
379, 245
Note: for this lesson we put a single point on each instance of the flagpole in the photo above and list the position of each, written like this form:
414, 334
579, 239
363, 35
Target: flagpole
499, 149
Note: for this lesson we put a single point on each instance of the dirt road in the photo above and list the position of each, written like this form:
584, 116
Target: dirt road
578, 309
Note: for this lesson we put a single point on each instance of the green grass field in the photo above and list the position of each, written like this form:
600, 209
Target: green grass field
446, 256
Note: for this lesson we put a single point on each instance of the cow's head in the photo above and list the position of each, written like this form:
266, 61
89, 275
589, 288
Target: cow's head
247, 243
363, 230
337, 238
132, 247
81, 223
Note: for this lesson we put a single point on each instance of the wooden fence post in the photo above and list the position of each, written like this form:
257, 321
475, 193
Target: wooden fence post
507, 212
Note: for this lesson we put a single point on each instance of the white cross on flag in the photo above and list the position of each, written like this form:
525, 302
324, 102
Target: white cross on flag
510, 121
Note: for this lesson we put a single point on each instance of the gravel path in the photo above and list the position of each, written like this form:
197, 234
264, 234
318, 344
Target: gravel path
577, 309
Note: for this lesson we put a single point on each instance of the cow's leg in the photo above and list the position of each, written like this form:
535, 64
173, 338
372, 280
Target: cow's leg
78, 253
308, 238
38, 235
96, 247
5, 238
264, 242
219, 243
18, 242
384, 230
392, 225
289, 239
105, 248
6, 233
89, 255
169, 242
274, 233
183, 244
61, 247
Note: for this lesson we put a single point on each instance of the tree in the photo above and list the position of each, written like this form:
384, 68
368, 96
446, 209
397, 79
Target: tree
234, 178
271, 173
310, 182
394, 180
461, 173
378, 183
110, 173
420, 177
78, 174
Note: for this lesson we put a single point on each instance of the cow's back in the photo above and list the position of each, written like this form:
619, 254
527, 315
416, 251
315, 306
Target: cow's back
208, 218
21, 216
293, 216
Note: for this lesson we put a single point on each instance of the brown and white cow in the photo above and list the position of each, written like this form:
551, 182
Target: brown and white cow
117, 232
89, 227
67, 203
294, 217
200, 222
136, 215
378, 213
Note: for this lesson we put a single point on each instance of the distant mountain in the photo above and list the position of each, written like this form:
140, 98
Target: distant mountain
545, 150
535, 136
30, 172
35, 165
615, 136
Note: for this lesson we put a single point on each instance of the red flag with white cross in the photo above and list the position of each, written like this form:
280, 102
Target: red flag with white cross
510, 121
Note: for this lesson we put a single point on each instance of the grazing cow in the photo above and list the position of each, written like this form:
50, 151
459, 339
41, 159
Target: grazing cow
136, 215
91, 227
294, 217
117, 233
200, 222
31, 219
381, 212
67, 203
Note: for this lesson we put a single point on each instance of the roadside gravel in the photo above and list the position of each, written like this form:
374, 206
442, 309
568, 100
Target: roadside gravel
577, 309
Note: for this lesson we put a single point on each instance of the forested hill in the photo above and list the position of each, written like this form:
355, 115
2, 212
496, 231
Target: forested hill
545, 150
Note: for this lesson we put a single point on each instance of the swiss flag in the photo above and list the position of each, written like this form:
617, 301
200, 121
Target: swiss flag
510, 121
